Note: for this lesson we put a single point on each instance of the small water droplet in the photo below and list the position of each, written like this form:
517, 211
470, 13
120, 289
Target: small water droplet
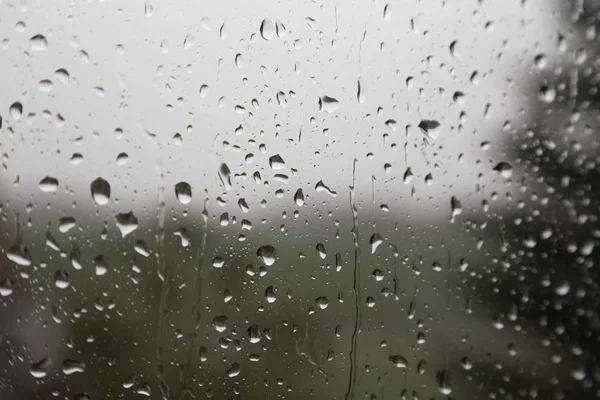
504, 169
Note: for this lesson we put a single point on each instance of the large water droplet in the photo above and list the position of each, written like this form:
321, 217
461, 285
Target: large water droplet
328, 104
61, 279
19, 254
41, 368
16, 111
100, 191
48, 184
266, 254
72, 366
127, 223
267, 29
276, 162
299, 197
504, 169
183, 192
398, 361
38, 43
443, 381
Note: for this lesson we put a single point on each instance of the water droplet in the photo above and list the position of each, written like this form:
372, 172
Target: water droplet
254, 334
443, 382
328, 104
61, 279
72, 366
456, 208
141, 247
387, 11
16, 110
122, 159
48, 184
129, 381
234, 370
299, 197
45, 85
398, 361
65, 224
127, 223
148, 9
6, 287
100, 191
270, 294
321, 187
220, 323
38, 43
19, 254
183, 192
276, 162
459, 98
321, 250
41, 368
100, 265
408, 176
267, 29
218, 262
204, 89
267, 254
430, 127
62, 75
504, 169
547, 94
466, 363
540, 61
375, 241
322, 302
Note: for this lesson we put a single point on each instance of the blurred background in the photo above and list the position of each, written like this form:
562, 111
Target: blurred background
329, 200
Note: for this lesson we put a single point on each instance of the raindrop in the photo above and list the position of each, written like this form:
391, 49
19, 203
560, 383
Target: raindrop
504, 169
72, 366
220, 323
322, 302
38, 43
100, 265
375, 241
270, 295
61, 279
16, 110
398, 361
204, 89
430, 128
299, 197
183, 192
321, 187
276, 162
234, 370
267, 254
6, 287
127, 223
100, 191
41, 368
321, 250
122, 159
267, 29
443, 382
19, 254
547, 94
48, 184
328, 104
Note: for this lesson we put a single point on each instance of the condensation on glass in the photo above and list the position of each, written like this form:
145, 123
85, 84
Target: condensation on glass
293, 200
